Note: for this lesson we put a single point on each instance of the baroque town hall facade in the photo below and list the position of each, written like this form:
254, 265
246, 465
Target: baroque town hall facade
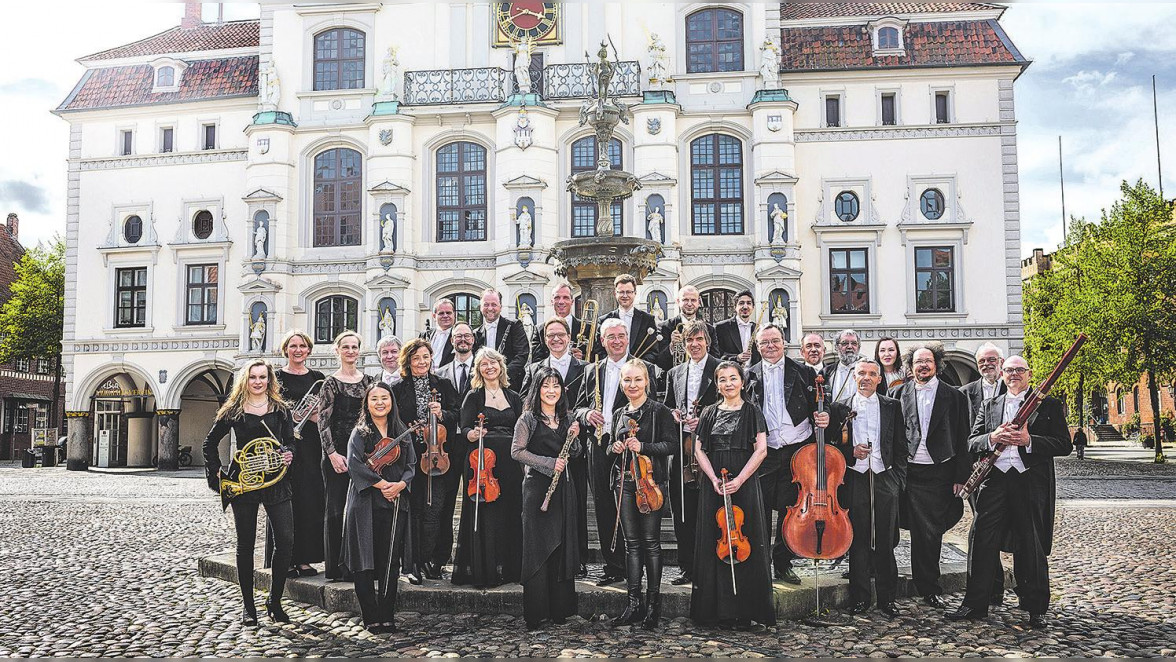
337, 166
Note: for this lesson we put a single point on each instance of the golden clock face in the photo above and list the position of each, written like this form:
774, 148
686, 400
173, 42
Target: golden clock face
532, 20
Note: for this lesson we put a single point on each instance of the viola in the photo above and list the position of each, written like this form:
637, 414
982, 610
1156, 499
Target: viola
434, 460
731, 537
817, 527
648, 494
483, 485
387, 450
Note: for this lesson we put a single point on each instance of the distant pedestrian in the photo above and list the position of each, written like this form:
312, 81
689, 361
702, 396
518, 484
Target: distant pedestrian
1080, 443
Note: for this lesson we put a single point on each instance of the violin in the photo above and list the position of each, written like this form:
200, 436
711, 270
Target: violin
817, 527
387, 450
434, 461
648, 494
483, 485
733, 546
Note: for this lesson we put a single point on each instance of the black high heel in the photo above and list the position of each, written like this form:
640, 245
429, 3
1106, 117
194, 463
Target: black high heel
276, 613
249, 616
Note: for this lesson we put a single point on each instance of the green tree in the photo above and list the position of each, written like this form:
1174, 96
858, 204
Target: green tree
32, 318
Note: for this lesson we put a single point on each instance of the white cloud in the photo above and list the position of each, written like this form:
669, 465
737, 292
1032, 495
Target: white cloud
1124, 58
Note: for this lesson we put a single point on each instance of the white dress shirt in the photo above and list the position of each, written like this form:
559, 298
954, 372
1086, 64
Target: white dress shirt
843, 386
989, 390
694, 373
612, 380
815, 368
440, 338
561, 364
925, 400
491, 329
782, 430
1010, 458
744, 333
457, 366
390, 378
867, 430
627, 317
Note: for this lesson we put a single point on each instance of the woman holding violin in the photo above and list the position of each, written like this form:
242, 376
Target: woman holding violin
731, 443
545, 438
489, 536
889, 356
381, 463
422, 396
342, 399
646, 436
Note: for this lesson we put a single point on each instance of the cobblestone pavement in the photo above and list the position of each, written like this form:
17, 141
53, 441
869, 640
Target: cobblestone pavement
104, 565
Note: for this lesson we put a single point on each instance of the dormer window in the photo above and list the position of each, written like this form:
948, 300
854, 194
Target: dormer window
887, 36
888, 39
167, 75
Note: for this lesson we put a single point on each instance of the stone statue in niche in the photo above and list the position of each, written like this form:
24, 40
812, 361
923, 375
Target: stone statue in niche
659, 315
779, 223
388, 232
657, 61
257, 334
780, 314
391, 75
526, 228
770, 64
654, 225
522, 65
270, 87
259, 235
527, 317
387, 324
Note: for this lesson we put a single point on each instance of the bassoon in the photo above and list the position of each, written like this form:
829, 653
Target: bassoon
1032, 402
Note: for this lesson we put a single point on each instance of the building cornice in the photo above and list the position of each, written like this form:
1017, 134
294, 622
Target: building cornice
156, 160
919, 17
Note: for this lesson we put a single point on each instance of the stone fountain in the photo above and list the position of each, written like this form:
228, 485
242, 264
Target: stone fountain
591, 263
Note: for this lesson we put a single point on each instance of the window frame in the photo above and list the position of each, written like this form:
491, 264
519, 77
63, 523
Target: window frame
46, 363
22, 419
209, 294
881, 32
211, 224
22, 364
126, 142
159, 76
133, 289
857, 200
846, 272
717, 201
840, 100
126, 226
462, 208
948, 115
713, 65
167, 139
949, 270
319, 83
337, 215
466, 308
892, 95
590, 207
204, 128
345, 316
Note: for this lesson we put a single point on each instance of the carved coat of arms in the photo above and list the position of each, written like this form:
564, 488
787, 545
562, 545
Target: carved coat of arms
385, 137
653, 125
522, 130
775, 123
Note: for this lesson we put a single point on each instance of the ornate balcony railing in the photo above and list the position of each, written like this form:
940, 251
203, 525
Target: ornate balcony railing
572, 81
435, 86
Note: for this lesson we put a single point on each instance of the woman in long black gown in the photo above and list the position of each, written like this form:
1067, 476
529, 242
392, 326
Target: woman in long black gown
254, 409
377, 502
295, 380
731, 435
551, 549
492, 555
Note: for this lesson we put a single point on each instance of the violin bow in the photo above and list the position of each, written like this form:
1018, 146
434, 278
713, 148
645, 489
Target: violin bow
478, 478
729, 518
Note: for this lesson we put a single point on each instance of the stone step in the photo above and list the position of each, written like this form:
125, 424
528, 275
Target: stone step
1106, 433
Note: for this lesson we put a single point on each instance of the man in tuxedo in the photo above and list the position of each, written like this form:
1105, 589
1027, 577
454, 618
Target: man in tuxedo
502, 334
1017, 497
438, 336
558, 339
597, 408
671, 330
689, 387
988, 362
388, 349
812, 351
460, 370
640, 326
733, 337
839, 376
784, 390
876, 462
562, 303
937, 440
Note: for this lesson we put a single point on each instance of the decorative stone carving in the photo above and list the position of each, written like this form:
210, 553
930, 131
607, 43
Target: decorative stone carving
391, 75
653, 125
388, 232
654, 226
269, 87
257, 333
385, 137
259, 236
522, 130
387, 324
522, 65
657, 62
526, 228
770, 63
779, 224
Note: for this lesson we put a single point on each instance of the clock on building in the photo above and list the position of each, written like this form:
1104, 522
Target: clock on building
515, 21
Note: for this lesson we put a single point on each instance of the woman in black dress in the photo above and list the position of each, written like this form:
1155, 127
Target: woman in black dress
492, 555
657, 438
551, 549
295, 380
342, 399
376, 503
731, 435
254, 409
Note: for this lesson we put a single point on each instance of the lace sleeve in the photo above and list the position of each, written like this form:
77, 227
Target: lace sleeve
524, 428
326, 407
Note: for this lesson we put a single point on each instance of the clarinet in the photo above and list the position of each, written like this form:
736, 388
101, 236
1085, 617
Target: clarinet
563, 455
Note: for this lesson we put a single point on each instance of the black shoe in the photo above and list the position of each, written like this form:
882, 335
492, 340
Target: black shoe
936, 601
682, 580
634, 613
609, 578
249, 616
415, 577
859, 608
653, 611
583, 573
377, 628
889, 609
845, 575
965, 613
1037, 621
788, 574
276, 613
433, 570
997, 600
308, 571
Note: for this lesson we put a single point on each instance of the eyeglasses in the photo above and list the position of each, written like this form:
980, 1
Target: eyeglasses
849, 343
770, 343
557, 335
1015, 371
991, 359
462, 335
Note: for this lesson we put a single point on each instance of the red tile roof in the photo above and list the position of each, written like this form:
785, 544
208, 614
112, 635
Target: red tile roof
207, 37
946, 44
131, 85
792, 11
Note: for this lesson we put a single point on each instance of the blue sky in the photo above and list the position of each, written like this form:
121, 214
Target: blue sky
1090, 82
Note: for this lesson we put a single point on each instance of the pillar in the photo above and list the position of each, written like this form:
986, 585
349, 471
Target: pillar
77, 450
169, 439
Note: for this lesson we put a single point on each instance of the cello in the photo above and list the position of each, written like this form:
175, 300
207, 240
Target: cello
483, 486
817, 527
733, 546
434, 461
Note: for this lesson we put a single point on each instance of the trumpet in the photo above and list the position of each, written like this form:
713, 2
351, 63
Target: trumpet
678, 347
588, 328
307, 407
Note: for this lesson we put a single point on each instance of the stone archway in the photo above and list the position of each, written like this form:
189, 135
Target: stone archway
122, 406
198, 392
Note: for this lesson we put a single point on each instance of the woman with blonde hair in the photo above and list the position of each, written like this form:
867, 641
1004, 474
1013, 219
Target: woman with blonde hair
295, 380
339, 409
255, 409
491, 555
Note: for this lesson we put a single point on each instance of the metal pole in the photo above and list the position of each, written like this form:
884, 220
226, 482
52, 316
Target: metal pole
1062, 179
1156, 116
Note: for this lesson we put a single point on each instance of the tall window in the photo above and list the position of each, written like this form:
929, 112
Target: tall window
467, 308
889, 113
935, 279
833, 110
338, 190
942, 108
714, 41
130, 297
338, 60
165, 77
716, 184
584, 155
461, 192
166, 141
334, 315
716, 305
201, 298
127, 144
22, 419
849, 286
209, 136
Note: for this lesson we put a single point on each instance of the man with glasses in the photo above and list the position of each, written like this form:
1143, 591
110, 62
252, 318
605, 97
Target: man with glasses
988, 361
839, 376
388, 349
562, 304
1017, 497
460, 370
640, 326
937, 426
438, 336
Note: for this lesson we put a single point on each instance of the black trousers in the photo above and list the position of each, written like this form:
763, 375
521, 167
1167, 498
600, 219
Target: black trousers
280, 518
578, 467
380, 606
861, 557
779, 492
642, 533
604, 494
929, 500
684, 530
335, 485
1008, 501
432, 524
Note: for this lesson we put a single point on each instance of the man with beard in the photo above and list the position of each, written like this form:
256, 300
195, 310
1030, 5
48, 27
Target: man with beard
812, 352
988, 362
733, 337
671, 330
839, 376
640, 326
504, 335
460, 370
937, 437
438, 336
562, 304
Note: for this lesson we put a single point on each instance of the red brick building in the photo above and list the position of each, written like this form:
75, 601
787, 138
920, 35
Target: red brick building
26, 385
1125, 400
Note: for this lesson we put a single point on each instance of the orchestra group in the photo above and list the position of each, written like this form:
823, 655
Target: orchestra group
712, 426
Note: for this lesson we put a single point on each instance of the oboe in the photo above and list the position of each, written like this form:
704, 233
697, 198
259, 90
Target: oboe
563, 455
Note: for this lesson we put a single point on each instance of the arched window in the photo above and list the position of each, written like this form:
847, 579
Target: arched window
461, 192
338, 59
338, 196
467, 308
584, 155
165, 77
717, 305
888, 38
716, 184
334, 315
714, 41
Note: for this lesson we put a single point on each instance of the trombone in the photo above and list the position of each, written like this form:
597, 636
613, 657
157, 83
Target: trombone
587, 335
307, 407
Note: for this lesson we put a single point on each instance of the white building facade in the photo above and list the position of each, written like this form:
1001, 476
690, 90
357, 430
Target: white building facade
327, 167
